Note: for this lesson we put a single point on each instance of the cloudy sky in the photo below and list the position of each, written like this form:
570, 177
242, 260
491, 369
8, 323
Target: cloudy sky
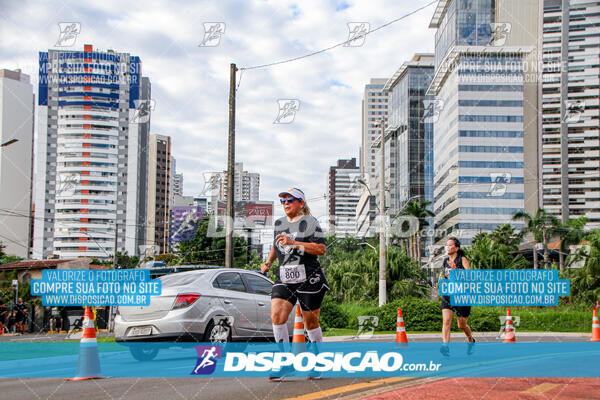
190, 83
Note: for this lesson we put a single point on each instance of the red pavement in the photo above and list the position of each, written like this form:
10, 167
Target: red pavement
499, 389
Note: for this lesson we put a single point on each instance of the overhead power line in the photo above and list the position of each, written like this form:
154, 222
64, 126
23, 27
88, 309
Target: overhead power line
314, 53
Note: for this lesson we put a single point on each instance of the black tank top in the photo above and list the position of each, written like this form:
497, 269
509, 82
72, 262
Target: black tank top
457, 261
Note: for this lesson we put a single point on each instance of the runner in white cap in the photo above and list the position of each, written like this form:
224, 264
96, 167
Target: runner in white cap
298, 242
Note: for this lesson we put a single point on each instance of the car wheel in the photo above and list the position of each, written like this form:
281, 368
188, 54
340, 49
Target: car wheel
217, 333
143, 353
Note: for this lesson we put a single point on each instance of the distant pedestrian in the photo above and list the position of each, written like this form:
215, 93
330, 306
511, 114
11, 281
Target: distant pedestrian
22, 313
3, 317
11, 321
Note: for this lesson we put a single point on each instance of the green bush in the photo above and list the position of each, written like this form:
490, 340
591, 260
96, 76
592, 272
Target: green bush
422, 315
332, 315
419, 315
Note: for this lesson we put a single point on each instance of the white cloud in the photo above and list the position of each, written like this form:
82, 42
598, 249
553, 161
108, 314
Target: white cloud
190, 84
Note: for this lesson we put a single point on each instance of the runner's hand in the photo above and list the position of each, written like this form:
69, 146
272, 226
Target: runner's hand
265, 267
283, 240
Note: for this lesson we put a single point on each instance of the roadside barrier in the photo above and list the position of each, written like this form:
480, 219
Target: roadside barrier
400, 328
595, 328
88, 364
509, 329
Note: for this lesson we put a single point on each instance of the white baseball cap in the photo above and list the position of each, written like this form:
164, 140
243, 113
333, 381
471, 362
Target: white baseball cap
294, 192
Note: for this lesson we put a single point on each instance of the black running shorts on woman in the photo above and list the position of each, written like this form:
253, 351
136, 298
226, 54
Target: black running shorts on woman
299, 276
461, 311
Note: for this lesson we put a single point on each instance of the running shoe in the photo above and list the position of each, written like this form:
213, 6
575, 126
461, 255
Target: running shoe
470, 346
314, 375
277, 376
445, 350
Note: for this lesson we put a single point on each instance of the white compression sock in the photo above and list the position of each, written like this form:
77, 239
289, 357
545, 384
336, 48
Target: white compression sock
281, 333
315, 335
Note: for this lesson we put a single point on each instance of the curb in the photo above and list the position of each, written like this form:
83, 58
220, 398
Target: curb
391, 337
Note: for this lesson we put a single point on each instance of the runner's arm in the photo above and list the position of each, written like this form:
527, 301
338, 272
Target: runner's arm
465, 263
266, 266
316, 249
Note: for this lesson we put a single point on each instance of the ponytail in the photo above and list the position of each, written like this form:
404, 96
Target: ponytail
305, 209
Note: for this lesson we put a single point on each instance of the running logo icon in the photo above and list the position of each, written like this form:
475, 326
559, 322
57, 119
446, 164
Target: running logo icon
68, 34
143, 109
212, 34
287, 111
207, 359
499, 33
357, 32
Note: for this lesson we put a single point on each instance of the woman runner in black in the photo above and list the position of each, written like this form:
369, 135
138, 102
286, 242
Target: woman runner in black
455, 260
298, 242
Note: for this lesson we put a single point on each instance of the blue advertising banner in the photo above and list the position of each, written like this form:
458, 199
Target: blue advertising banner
329, 359
504, 287
101, 287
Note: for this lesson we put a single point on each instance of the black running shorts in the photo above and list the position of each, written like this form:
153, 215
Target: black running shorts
461, 311
309, 293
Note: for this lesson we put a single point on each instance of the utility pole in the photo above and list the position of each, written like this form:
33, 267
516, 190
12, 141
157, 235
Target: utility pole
382, 229
230, 171
115, 252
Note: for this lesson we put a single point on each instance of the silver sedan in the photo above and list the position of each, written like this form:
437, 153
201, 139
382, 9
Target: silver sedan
204, 305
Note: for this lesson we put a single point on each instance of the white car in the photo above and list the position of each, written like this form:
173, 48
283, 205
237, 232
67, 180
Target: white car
211, 305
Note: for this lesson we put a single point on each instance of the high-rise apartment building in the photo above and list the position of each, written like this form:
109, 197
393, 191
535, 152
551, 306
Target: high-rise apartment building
374, 107
571, 94
16, 161
344, 191
246, 185
485, 114
178, 184
91, 184
176, 179
159, 189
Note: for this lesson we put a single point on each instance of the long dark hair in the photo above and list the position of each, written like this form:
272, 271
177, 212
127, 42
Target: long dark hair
459, 253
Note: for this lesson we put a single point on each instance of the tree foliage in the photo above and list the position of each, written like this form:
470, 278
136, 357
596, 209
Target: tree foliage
352, 269
495, 250
585, 281
208, 250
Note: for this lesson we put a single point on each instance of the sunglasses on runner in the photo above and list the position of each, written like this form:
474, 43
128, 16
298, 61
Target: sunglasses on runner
288, 200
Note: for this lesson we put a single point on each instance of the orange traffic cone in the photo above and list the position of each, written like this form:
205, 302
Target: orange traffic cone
88, 365
298, 339
509, 330
400, 329
595, 328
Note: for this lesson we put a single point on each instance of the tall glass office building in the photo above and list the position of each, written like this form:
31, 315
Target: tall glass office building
91, 182
409, 136
480, 116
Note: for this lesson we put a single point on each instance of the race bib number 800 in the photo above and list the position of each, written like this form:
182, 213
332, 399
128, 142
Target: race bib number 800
292, 273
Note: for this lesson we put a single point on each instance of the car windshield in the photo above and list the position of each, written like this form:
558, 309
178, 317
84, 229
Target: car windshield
178, 280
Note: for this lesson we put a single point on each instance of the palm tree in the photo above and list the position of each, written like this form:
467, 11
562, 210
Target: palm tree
418, 209
505, 234
488, 253
585, 281
571, 232
542, 226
